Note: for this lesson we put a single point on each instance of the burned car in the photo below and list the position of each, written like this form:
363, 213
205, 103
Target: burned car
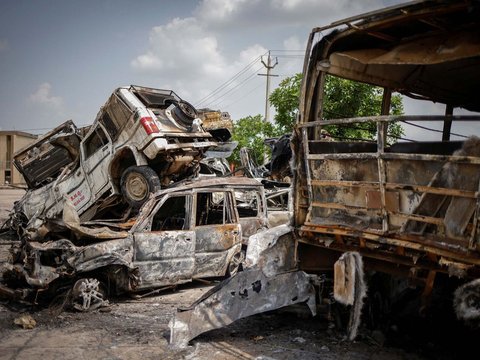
142, 139
189, 231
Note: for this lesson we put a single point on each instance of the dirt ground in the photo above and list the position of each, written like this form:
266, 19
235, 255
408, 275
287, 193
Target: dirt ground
138, 329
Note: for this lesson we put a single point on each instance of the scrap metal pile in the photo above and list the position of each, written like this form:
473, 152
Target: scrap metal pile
119, 206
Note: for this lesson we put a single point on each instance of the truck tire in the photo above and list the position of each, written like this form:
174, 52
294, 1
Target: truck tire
137, 183
184, 113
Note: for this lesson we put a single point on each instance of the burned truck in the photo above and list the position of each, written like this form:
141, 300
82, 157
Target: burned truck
192, 230
404, 208
142, 139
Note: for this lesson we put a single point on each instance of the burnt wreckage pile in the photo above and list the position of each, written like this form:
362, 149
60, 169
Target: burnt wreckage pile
121, 203
376, 219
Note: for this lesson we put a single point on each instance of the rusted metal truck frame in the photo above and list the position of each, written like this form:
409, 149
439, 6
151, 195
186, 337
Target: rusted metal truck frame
408, 209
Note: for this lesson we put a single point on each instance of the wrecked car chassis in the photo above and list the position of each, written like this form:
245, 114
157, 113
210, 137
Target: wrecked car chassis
190, 231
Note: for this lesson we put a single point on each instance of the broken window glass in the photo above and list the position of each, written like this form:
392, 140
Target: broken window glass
211, 209
95, 141
171, 215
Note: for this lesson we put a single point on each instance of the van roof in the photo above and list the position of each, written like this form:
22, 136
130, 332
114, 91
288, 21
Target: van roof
428, 50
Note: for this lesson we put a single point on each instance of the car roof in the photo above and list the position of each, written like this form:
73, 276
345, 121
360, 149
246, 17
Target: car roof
233, 181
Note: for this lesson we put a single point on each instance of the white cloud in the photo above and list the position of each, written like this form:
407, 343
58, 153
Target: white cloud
184, 45
187, 57
221, 10
264, 13
43, 96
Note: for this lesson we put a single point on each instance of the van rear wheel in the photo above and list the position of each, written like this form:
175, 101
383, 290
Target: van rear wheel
137, 183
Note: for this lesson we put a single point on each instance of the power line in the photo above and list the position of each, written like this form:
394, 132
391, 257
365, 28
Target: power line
288, 50
235, 87
290, 56
247, 93
430, 129
228, 82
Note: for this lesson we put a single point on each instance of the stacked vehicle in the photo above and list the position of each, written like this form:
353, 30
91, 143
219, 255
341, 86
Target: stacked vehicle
119, 203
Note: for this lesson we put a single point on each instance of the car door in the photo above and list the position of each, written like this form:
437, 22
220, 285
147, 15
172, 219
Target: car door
96, 151
251, 211
165, 248
218, 232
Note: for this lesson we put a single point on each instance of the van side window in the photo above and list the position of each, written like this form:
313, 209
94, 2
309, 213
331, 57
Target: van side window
95, 141
213, 209
115, 115
172, 215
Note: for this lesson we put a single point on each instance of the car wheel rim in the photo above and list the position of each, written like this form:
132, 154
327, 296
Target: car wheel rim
137, 187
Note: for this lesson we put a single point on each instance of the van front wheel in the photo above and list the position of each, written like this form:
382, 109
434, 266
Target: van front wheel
137, 183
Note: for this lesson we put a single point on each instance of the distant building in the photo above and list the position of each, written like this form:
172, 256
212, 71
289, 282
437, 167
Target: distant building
10, 142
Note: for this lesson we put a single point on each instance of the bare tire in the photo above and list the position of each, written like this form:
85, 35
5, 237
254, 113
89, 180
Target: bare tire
137, 183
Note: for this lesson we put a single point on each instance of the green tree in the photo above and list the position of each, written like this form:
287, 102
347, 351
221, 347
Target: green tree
250, 132
285, 99
343, 99
346, 99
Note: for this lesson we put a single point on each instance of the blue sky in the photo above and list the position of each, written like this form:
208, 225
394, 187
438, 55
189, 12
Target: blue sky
60, 59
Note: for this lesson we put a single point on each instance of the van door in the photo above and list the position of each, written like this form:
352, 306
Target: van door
165, 250
96, 150
218, 233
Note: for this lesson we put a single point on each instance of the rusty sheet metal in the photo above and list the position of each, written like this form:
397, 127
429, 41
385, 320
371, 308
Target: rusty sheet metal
217, 237
215, 119
350, 287
40, 275
95, 256
164, 258
248, 292
270, 284
263, 240
229, 182
447, 47
455, 249
251, 226
424, 197
398, 70
72, 221
214, 263
41, 161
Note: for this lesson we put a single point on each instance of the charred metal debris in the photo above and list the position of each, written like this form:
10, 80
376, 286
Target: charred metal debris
370, 218
395, 214
125, 205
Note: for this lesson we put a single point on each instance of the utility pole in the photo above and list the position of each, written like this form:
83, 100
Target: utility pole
268, 65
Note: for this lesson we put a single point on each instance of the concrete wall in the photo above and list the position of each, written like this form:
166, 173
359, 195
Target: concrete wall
11, 142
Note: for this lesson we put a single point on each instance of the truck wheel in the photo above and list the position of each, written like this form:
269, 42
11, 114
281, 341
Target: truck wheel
137, 183
466, 302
